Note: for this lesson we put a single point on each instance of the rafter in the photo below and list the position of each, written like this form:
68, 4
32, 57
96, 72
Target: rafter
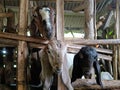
94, 42
2, 15
23, 38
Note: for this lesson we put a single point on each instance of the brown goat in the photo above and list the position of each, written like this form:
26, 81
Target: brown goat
53, 60
43, 23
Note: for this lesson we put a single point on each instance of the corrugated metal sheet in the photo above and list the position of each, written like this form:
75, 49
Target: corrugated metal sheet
68, 5
10, 2
72, 20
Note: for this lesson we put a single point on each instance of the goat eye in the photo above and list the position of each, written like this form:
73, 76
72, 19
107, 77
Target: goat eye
47, 9
48, 51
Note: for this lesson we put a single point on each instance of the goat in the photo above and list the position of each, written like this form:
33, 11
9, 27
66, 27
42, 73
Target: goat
35, 67
53, 61
43, 23
83, 63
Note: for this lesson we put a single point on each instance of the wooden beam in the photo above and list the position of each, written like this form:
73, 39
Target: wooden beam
73, 0
60, 20
56, 0
2, 15
11, 21
89, 19
116, 49
100, 50
22, 47
105, 57
115, 63
23, 38
94, 42
94, 20
8, 42
1, 19
60, 33
14, 43
79, 8
118, 16
44, 0
105, 51
34, 45
90, 84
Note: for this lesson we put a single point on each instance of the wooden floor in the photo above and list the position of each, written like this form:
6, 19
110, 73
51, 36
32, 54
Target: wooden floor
89, 84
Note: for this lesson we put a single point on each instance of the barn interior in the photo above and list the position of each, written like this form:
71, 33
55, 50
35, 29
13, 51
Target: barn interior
78, 23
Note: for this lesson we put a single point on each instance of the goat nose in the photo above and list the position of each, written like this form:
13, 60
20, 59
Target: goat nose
44, 22
58, 69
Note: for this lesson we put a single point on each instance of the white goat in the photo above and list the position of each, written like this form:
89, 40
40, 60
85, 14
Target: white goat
53, 60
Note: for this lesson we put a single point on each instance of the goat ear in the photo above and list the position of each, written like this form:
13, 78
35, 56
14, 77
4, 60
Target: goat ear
98, 73
34, 9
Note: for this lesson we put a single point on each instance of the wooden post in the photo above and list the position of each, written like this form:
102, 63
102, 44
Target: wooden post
94, 15
22, 47
1, 19
118, 16
115, 62
117, 34
11, 20
89, 19
117, 47
60, 19
60, 31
